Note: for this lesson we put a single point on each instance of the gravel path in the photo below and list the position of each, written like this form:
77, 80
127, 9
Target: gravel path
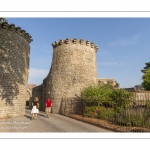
56, 123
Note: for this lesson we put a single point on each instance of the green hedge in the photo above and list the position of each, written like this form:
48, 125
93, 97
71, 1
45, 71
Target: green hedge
100, 112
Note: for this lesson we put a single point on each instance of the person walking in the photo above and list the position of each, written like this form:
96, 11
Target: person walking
48, 105
35, 108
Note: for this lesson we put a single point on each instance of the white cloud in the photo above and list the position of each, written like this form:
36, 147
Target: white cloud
125, 41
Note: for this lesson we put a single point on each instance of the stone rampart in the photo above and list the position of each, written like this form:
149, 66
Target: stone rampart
73, 68
14, 69
29, 91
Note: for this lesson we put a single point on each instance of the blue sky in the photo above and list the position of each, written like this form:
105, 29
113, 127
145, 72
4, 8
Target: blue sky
123, 44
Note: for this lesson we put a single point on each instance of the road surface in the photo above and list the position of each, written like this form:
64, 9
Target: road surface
56, 123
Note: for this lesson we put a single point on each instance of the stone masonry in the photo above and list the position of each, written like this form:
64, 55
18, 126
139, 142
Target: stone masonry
73, 68
29, 91
14, 69
107, 81
36, 92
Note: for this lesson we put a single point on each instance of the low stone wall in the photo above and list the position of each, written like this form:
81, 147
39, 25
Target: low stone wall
29, 91
72, 106
140, 98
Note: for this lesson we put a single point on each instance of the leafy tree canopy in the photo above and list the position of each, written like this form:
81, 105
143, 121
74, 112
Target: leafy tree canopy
146, 79
3, 20
146, 67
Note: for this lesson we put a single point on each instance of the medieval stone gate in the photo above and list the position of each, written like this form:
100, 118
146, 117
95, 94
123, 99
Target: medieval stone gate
73, 68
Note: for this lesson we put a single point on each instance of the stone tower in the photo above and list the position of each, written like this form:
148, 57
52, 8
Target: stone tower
73, 67
14, 68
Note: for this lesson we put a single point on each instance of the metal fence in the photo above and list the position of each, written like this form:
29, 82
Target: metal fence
134, 118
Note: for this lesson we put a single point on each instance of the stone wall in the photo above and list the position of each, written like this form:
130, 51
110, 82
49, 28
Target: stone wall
29, 91
140, 98
73, 68
107, 81
36, 92
14, 66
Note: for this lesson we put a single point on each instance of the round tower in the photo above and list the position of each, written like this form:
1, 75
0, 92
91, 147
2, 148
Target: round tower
73, 67
14, 69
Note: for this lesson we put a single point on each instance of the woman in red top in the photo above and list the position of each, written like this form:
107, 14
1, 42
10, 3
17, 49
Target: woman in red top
48, 105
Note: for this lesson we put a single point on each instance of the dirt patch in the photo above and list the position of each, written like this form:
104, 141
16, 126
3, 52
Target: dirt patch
108, 125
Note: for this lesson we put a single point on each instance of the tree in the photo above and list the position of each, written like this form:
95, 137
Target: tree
2, 20
96, 94
146, 76
146, 79
146, 67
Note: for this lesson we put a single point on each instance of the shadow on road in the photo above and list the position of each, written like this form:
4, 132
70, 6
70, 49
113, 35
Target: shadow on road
42, 115
29, 117
39, 114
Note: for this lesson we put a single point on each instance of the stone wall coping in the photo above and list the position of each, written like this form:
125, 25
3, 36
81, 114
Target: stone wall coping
18, 30
75, 41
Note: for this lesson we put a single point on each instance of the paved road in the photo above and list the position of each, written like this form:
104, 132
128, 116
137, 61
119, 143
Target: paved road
56, 123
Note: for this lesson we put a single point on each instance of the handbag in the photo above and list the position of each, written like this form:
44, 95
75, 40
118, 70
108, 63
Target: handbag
37, 106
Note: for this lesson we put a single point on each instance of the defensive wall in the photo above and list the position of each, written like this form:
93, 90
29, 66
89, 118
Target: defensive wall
29, 91
73, 68
14, 69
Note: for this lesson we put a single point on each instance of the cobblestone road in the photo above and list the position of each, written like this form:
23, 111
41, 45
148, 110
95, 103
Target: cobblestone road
56, 123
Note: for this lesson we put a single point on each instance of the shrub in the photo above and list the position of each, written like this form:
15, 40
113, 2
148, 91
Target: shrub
148, 103
99, 112
120, 99
137, 120
96, 94
105, 113
90, 111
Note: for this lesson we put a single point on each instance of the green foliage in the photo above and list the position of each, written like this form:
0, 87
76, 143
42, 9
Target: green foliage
96, 94
146, 67
148, 103
117, 85
146, 79
99, 112
90, 111
118, 109
105, 113
3, 20
135, 119
120, 99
